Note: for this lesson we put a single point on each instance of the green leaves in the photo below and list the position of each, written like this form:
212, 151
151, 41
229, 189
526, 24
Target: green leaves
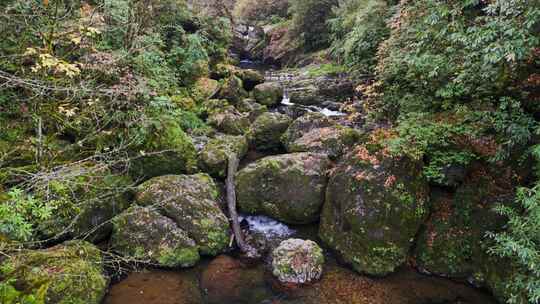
18, 214
521, 243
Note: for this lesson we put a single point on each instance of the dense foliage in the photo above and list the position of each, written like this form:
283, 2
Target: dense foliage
96, 81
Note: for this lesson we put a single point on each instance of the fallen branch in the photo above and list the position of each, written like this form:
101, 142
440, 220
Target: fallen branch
231, 204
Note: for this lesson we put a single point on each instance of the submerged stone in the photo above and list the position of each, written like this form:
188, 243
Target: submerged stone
297, 261
145, 235
287, 187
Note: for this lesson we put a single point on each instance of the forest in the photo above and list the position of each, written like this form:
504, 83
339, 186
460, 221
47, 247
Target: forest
269, 151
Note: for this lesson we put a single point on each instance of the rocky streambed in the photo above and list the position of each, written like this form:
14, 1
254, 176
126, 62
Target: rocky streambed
336, 216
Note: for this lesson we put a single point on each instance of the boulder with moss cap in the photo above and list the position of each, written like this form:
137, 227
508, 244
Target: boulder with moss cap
375, 204
191, 201
287, 187
145, 235
214, 157
64, 274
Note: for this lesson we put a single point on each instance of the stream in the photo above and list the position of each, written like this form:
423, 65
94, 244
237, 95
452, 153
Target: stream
228, 279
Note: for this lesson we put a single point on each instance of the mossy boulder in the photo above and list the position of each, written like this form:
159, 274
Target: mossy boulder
268, 93
145, 235
85, 197
306, 123
70, 273
230, 121
287, 187
191, 201
205, 88
250, 78
333, 141
232, 90
265, 133
167, 149
453, 241
214, 157
252, 108
375, 204
297, 261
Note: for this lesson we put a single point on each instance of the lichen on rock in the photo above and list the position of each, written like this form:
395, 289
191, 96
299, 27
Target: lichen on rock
297, 261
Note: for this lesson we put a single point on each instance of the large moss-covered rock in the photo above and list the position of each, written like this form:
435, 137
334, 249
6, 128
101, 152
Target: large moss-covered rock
145, 235
232, 90
453, 241
85, 197
214, 157
166, 150
269, 93
70, 273
265, 133
191, 201
297, 261
287, 187
230, 121
375, 204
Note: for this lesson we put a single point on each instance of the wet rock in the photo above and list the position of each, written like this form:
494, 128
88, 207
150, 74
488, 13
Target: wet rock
297, 261
166, 150
287, 187
68, 273
265, 133
214, 157
269, 93
191, 201
232, 90
86, 197
250, 78
375, 204
227, 280
145, 235
230, 121
251, 107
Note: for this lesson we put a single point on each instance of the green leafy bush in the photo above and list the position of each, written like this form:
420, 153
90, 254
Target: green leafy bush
19, 214
357, 29
521, 243
309, 22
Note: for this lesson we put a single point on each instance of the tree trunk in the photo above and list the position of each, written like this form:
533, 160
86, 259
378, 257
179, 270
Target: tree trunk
231, 204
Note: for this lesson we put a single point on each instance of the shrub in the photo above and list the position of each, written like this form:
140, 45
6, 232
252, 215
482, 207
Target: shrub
309, 22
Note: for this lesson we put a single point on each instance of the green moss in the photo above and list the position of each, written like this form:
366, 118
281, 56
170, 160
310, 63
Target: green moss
70, 273
166, 150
